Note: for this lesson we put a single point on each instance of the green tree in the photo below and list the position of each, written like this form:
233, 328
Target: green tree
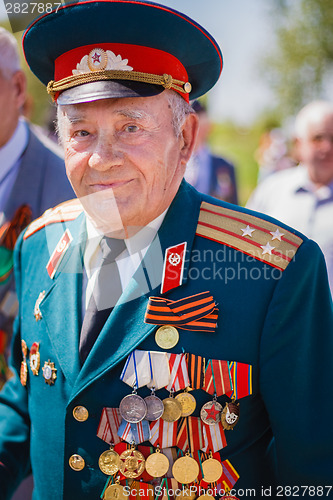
300, 68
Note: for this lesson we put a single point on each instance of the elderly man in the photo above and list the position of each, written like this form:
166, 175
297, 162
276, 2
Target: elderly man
144, 289
303, 197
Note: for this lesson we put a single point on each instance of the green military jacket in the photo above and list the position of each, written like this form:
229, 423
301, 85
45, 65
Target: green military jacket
274, 313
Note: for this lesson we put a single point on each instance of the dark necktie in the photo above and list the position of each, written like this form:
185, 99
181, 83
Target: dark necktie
106, 292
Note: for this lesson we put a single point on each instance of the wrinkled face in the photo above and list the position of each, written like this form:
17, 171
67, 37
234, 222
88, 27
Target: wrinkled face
125, 152
316, 150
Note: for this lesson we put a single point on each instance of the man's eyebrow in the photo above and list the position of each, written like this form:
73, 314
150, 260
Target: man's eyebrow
133, 114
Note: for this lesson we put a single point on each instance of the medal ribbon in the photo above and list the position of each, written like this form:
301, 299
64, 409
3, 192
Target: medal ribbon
108, 425
196, 370
163, 433
134, 433
229, 477
241, 377
159, 369
141, 490
137, 370
214, 437
179, 378
190, 434
217, 377
197, 312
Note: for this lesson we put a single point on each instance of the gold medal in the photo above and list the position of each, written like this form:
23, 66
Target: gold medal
24, 366
115, 492
188, 403
185, 470
166, 337
157, 464
206, 497
230, 416
172, 410
109, 462
132, 463
34, 358
211, 470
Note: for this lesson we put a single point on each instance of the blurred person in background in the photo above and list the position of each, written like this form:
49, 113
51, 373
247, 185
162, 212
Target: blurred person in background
302, 197
32, 179
210, 174
273, 153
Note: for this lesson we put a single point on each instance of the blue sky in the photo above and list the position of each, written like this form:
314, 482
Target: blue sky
243, 29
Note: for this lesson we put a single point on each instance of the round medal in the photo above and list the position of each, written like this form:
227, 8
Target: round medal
185, 470
109, 462
211, 412
206, 497
188, 403
172, 410
115, 492
166, 337
230, 416
157, 464
155, 407
132, 463
133, 408
211, 470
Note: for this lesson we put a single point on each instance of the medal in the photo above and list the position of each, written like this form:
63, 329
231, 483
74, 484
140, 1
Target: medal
109, 462
115, 492
132, 463
211, 470
157, 464
185, 470
172, 410
230, 415
187, 402
24, 366
133, 408
206, 497
34, 358
155, 407
49, 372
211, 412
37, 311
166, 337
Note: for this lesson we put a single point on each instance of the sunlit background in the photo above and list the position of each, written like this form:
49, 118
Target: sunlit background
273, 64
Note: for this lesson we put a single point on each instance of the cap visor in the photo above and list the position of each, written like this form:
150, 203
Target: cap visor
94, 91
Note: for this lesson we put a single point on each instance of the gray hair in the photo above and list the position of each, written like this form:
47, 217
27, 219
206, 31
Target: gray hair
311, 113
9, 54
180, 109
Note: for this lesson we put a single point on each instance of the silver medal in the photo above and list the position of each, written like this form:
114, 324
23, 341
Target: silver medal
133, 408
155, 407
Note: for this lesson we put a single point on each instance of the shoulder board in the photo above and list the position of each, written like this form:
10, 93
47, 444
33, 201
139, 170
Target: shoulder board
69, 210
263, 240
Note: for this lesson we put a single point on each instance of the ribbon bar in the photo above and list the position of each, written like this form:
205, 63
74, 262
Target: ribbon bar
197, 312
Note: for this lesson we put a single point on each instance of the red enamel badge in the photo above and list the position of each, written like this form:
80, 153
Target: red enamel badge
173, 269
58, 253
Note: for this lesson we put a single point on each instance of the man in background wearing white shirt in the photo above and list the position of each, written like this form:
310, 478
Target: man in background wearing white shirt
303, 196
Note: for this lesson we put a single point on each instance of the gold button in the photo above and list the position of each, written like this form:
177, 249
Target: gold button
187, 87
76, 462
80, 413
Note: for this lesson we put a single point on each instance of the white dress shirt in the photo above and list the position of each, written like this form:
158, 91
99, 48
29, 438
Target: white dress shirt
291, 197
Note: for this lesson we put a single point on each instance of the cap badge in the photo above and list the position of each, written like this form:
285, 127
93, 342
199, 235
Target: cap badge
99, 60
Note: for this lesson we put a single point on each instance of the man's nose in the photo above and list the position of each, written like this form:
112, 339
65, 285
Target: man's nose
106, 155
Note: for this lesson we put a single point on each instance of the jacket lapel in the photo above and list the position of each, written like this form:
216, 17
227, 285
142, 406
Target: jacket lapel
65, 289
125, 328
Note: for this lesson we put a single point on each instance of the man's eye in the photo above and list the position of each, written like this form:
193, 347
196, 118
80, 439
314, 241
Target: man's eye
81, 133
131, 128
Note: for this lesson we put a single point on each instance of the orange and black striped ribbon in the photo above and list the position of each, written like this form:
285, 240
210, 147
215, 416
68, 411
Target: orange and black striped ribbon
197, 312
10, 231
196, 370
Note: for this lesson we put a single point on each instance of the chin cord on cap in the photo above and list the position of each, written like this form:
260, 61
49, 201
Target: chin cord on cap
53, 88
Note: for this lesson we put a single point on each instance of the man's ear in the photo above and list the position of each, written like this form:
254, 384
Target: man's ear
19, 82
188, 136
